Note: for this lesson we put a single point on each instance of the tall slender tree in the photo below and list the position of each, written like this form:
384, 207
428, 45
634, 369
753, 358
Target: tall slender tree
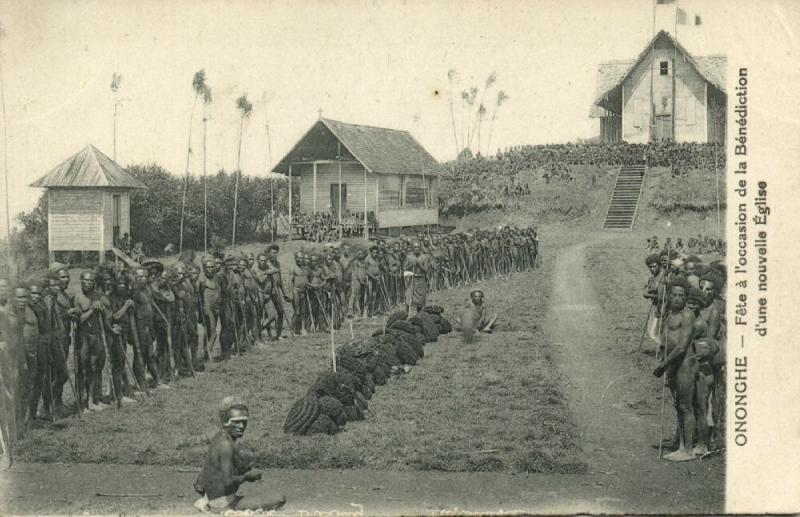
197, 86
116, 80
501, 98
481, 109
206, 94
451, 76
245, 108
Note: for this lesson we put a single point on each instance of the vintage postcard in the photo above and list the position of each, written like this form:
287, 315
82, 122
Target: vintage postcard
388, 257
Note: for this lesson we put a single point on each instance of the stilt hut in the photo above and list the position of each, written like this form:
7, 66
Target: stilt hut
383, 175
88, 200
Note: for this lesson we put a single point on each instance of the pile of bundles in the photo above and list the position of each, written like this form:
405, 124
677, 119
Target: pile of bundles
339, 397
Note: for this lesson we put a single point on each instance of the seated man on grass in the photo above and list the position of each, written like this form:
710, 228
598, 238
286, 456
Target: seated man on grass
228, 465
475, 317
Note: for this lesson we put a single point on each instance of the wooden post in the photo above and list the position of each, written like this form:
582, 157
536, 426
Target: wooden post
366, 221
102, 251
290, 201
705, 100
377, 202
205, 184
333, 345
340, 200
314, 185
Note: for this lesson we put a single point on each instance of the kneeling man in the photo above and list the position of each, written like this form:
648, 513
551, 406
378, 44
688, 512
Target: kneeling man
475, 318
227, 466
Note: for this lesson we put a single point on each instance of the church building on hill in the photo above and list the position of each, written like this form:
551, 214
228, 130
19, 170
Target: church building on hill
664, 94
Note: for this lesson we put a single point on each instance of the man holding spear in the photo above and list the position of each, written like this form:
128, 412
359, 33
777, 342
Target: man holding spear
92, 324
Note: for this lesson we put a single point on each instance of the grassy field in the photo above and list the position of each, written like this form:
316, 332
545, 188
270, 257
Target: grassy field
494, 405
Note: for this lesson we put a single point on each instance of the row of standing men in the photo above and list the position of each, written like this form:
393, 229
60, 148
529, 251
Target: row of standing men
167, 321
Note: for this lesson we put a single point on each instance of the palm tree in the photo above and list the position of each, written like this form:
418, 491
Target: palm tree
469, 97
197, 84
478, 115
245, 109
481, 115
116, 79
501, 98
451, 75
201, 89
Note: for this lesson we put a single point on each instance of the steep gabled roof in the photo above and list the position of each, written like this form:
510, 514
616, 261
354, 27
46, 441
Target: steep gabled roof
89, 168
379, 150
611, 75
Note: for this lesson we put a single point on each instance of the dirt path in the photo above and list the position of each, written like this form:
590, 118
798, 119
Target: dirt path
606, 393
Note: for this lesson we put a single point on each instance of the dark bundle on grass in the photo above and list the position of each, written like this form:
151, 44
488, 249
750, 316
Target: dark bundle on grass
298, 420
353, 413
399, 315
406, 354
405, 326
331, 407
323, 425
380, 374
339, 385
361, 402
352, 365
433, 309
429, 328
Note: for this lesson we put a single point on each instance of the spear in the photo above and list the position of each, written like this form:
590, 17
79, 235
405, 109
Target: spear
169, 340
105, 349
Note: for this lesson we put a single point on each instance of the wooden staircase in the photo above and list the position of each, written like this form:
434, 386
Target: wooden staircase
622, 207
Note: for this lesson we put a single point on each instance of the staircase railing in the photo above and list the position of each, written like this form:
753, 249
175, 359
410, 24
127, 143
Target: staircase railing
639, 197
611, 197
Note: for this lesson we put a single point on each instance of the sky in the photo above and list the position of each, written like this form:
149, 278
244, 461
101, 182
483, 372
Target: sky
382, 63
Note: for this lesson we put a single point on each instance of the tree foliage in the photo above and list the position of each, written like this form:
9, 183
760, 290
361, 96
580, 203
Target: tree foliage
155, 213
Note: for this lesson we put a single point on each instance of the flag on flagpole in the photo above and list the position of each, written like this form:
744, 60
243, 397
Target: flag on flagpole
680, 16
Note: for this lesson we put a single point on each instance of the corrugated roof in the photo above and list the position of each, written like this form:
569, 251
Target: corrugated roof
89, 168
380, 150
611, 75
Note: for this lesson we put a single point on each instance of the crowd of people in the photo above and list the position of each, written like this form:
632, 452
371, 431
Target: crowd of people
697, 245
688, 326
678, 156
325, 227
153, 323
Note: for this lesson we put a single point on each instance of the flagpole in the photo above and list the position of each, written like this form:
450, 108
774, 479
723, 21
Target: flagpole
652, 65
674, 69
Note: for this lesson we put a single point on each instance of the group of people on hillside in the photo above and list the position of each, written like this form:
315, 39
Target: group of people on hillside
153, 323
325, 226
687, 323
697, 245
678, 156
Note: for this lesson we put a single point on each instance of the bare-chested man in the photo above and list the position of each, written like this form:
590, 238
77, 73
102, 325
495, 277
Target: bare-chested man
475, 318
228, 465
702, 350
677, 339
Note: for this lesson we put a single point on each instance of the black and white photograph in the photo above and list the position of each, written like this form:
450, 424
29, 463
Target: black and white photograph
398, 258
